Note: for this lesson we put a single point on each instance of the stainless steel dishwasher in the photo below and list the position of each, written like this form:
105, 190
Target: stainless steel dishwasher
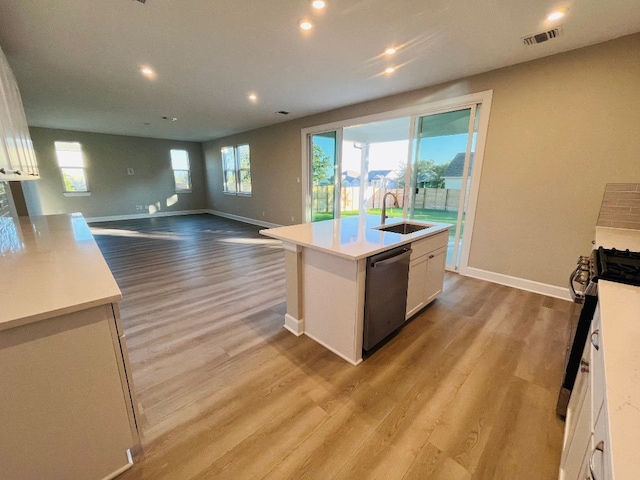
385, 298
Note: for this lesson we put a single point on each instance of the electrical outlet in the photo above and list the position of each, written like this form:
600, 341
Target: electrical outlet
130, 171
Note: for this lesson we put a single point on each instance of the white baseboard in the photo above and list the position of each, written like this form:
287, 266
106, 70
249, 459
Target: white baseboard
135, 216
344, 357
238, 218
520, 283
294, 325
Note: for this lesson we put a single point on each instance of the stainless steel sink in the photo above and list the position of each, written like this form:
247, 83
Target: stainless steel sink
403, 228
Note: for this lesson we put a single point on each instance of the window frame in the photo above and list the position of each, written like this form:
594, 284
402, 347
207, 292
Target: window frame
66, 168
232, 177
181, 170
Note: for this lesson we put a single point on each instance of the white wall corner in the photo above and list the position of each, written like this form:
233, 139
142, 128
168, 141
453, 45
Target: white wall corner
294, 325
520, 283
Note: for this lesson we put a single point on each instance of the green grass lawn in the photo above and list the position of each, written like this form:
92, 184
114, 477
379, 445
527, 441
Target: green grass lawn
423, 214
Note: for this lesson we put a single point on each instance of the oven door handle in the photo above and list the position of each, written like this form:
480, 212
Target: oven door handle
577, 297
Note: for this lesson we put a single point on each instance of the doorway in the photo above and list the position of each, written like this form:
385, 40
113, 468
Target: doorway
429, 156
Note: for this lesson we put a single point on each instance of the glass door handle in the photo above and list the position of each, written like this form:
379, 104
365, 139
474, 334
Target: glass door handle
599, 447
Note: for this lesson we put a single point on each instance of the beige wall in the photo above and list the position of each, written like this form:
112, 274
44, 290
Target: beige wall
560, 129
113, 192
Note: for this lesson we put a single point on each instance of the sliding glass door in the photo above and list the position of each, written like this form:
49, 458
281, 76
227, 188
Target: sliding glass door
441, 172
425, 155
324, 159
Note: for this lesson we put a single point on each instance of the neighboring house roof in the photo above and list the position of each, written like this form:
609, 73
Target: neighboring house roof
351, 178
456, 166
377, 174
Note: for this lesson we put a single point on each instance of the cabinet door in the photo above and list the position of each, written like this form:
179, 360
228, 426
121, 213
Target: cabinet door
578, 427
417, 285
599, 455
64, 413
597, 365
435, 274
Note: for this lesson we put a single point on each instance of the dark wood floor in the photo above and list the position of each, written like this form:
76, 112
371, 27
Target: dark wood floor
467, 390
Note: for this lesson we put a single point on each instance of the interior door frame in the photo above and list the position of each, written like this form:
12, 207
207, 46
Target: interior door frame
483, 98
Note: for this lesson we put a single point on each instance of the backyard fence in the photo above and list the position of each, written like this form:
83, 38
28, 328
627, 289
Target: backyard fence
447, 199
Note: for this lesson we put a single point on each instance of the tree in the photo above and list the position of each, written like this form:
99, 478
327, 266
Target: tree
322, 166
429, 174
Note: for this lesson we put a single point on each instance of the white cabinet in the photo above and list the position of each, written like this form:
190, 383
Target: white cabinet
67, 405
578, 423
426, 271
585, 453
17, 158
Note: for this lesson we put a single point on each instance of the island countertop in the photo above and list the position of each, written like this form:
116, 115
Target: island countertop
620, 332
351, 237
50, 265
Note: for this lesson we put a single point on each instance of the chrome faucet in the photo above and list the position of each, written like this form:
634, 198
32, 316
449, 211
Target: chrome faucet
384, 205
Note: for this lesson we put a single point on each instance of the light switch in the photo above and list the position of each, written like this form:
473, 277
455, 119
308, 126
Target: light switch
129, 171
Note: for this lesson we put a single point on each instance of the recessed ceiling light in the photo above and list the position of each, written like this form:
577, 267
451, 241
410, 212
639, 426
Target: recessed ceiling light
305, 25
390, 70
173, 119
148, 72
318, 4
556, 15
253, 97
390, 50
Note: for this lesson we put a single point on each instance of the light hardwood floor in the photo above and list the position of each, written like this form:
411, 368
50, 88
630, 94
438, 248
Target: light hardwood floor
466, 390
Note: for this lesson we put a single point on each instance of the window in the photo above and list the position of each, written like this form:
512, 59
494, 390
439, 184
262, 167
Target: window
236, 167
71, 165
181, 171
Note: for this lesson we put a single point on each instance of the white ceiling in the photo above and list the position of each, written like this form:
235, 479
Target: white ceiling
77, 62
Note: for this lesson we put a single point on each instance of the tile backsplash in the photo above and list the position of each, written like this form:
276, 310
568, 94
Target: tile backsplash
620, 206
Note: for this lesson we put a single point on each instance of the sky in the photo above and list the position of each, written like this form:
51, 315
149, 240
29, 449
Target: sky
389, 155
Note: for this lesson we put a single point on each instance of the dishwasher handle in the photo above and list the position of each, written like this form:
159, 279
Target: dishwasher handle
394, 259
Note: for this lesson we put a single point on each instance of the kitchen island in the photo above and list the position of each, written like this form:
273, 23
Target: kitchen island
325, 265
68, 404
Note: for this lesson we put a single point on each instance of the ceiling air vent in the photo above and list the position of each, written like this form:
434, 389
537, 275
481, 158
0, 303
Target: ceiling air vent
541, 37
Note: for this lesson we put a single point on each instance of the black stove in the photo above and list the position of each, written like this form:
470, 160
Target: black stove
622, 266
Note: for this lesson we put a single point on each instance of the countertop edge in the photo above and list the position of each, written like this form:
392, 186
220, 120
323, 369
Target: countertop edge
42, 316
402, 240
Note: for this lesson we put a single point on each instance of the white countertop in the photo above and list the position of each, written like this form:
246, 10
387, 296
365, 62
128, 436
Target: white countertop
49, 266
620, 333
351, 237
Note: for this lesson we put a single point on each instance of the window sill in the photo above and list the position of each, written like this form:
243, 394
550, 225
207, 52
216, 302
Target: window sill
76, 194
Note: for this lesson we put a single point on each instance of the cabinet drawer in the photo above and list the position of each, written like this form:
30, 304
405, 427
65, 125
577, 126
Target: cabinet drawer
429, 244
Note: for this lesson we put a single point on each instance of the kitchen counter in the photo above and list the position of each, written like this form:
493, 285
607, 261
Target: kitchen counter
620, 333
352, 238
67, 396
50, 266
